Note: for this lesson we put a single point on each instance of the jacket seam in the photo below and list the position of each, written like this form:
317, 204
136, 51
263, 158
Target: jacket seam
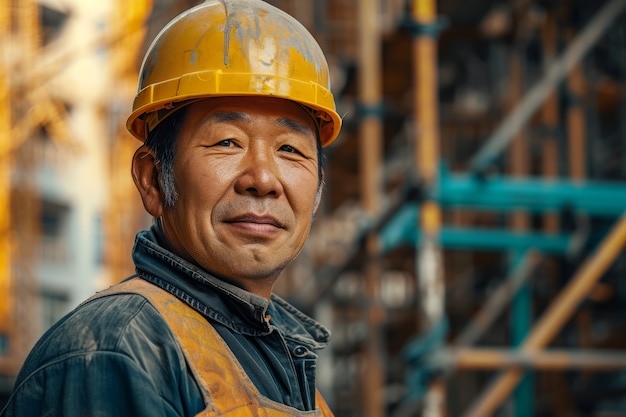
130, 319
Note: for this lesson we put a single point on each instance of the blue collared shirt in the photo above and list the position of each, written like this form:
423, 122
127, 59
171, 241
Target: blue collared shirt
117, 357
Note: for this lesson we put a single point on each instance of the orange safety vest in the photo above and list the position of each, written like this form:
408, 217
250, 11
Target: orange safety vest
226, 388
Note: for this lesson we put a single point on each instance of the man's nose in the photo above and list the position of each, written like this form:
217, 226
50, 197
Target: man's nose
259, 174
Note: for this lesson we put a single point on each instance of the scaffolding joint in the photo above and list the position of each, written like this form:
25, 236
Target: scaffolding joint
432, 28
370, 110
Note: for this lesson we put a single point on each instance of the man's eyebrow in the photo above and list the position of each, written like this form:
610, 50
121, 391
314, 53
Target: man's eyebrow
294, 125
227, 116
238, 116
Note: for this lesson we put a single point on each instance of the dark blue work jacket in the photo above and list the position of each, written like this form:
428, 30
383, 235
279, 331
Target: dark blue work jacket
115, 356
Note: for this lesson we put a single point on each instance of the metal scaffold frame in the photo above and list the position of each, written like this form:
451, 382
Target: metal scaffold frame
553, 319
431, 192
531, 353
370, 158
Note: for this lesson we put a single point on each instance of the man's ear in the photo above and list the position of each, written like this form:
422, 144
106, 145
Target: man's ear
318, 195
146, 174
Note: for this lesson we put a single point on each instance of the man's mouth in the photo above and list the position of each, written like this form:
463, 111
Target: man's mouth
253, 218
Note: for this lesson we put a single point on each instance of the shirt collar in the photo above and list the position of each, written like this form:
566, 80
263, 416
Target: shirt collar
229, 305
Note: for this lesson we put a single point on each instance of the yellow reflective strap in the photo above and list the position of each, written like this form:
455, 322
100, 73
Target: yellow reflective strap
227, 389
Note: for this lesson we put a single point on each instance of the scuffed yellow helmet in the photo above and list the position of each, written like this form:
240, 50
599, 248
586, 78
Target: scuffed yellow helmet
233, 48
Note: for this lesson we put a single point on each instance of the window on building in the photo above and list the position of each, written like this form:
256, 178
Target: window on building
54, 219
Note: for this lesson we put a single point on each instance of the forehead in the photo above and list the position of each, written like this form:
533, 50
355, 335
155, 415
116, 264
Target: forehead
248, 109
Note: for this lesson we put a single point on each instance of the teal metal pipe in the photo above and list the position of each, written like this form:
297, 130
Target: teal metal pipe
402, 230
521, 322
532, 195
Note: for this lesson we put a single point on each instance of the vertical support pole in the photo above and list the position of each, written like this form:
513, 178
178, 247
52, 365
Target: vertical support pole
521, 307
576, 123
519, 152
576, 134
370, 149
550, 117
370, 131
429, 262
550, 141
521, 321
622, 107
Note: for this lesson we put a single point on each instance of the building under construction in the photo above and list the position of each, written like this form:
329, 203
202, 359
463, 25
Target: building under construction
469, 253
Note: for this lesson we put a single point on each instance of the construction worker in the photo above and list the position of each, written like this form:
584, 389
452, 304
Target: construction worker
234, 107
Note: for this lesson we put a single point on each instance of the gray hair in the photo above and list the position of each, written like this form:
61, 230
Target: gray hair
162, 141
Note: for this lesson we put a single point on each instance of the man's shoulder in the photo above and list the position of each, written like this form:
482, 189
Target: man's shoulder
116, 324
107, 320
109, 355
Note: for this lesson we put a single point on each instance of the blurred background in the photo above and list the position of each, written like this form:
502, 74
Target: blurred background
468, 256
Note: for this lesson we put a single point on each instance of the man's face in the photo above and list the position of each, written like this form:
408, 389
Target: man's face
246, 172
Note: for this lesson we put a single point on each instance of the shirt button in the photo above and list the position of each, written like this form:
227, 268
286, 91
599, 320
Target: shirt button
300, 351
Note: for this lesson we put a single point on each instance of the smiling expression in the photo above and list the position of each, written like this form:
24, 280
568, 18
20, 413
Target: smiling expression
246, 172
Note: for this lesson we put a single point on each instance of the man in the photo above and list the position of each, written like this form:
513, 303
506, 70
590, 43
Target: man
234, 106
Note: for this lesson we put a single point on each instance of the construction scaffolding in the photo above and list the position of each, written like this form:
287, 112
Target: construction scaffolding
487, 230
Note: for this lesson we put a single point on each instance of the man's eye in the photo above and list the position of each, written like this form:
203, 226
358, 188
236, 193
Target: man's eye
225, 142
288, 148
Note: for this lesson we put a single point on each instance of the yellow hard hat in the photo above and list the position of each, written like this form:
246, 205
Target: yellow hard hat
233, 48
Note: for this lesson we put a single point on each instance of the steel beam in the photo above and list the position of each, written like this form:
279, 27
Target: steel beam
547, 360
402, 230
533, 195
